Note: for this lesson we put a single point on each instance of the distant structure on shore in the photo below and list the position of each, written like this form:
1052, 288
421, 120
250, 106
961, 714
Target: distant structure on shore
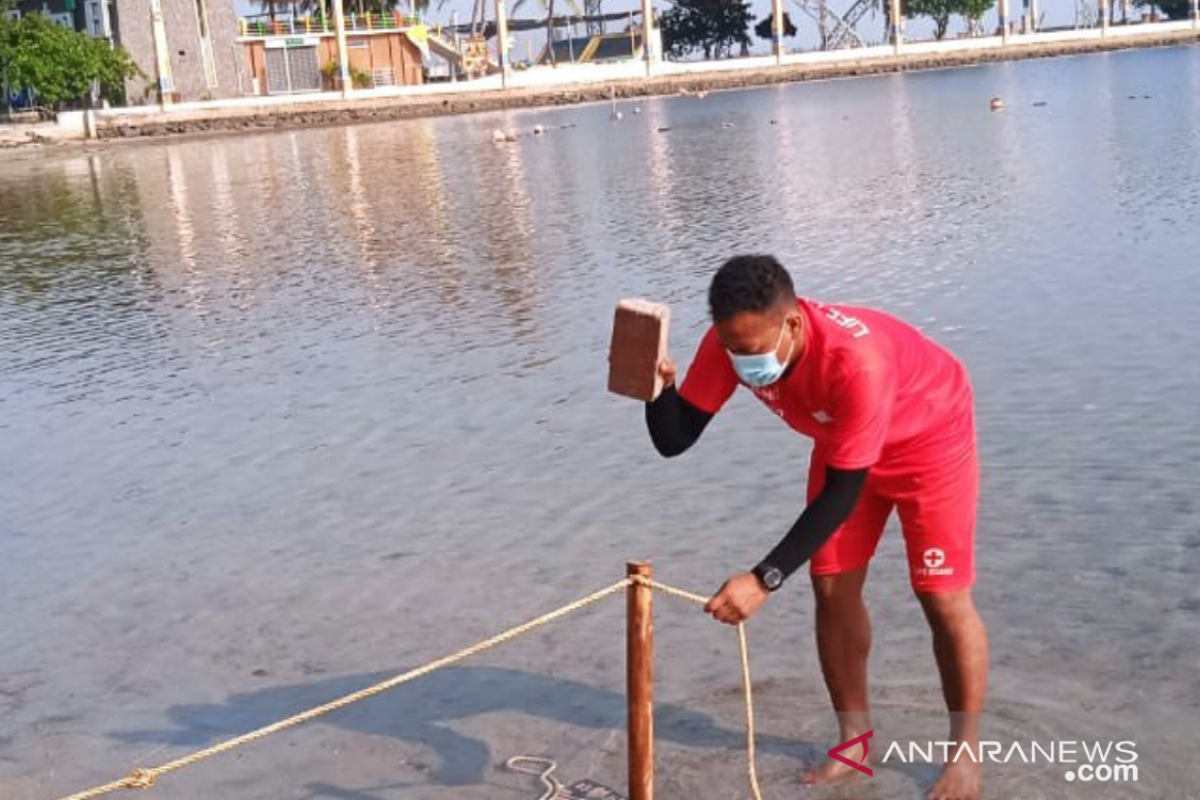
598, 48
198, 50
187, 48
300, 54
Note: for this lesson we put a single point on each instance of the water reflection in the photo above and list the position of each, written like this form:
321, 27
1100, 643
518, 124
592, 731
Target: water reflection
228, 220
185, 233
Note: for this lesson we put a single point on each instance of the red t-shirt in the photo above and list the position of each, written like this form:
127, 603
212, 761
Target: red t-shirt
872, 391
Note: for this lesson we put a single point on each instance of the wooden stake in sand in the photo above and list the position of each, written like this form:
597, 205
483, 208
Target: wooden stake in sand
639, 677
639, 342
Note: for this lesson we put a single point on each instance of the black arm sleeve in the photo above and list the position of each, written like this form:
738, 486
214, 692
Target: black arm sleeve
674, 423
819, 520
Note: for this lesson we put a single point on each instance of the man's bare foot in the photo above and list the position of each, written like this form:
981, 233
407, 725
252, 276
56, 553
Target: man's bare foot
959, 780
833, 770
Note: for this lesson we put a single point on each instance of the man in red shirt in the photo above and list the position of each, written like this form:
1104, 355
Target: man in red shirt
891, 415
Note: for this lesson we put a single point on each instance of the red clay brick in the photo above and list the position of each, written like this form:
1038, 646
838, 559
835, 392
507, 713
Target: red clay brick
639, 340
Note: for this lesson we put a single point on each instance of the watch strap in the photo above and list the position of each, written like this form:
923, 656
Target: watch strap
770, 576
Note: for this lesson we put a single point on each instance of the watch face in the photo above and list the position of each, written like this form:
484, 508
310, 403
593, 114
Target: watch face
773, 578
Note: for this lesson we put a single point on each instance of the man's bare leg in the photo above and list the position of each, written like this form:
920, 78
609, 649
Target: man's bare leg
961, 648
843, 643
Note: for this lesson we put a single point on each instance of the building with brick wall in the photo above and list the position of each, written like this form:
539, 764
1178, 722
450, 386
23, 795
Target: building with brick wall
299, 55
200, 48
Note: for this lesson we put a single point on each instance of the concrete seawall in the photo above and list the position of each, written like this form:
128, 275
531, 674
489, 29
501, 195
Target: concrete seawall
547, 86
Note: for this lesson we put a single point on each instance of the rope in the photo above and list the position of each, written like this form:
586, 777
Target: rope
553, 787
751, 759
146, 777
667, 589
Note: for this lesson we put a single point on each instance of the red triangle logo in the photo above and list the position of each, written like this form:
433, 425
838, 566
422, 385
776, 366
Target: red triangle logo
836, 752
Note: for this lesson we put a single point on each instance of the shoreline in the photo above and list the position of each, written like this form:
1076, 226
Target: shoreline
571, 85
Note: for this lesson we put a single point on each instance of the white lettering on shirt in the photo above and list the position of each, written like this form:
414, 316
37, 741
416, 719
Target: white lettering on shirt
847, 322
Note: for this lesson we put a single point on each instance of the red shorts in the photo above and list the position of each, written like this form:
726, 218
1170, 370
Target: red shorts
937, 512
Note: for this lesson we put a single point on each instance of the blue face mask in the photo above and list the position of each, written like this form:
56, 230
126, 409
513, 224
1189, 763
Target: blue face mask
762, 369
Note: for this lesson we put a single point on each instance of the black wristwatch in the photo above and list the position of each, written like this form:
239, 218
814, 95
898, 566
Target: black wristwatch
770, 577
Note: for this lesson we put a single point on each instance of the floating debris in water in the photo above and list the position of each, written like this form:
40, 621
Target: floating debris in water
637, 109
726, 124
997, 104
617, 116
1039, 104
774, 122
663, 130
538, 130
500, 137
703, 93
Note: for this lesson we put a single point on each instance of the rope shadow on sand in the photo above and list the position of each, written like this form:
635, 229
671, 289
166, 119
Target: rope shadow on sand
416, 713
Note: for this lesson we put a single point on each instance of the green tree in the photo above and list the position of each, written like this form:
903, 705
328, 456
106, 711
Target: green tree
712, 26
937, 10
112, 68
58, 65
1175, 9
973, 11
940, 11
766, 28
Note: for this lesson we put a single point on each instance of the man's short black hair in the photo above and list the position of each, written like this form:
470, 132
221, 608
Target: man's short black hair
755, 283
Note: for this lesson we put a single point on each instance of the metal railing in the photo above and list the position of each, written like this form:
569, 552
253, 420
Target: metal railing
319, 24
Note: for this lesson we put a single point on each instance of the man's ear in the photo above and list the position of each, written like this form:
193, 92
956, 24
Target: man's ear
796, 324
